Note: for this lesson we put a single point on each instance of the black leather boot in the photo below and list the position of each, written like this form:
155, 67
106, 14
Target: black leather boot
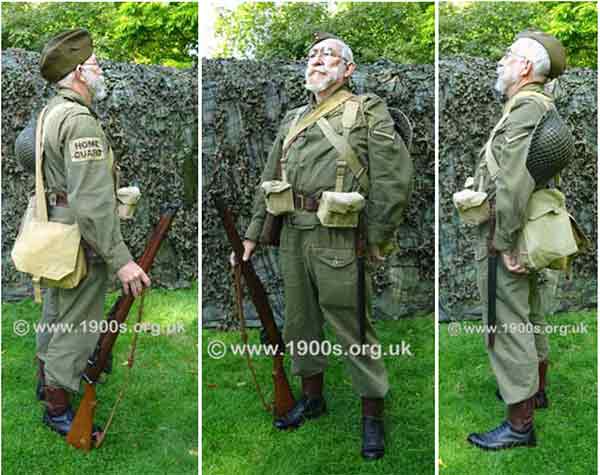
373, 446
310, 406
41, 381
516, 431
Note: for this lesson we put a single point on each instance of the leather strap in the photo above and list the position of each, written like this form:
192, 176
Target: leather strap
305, 203
130, 362
239, 302
58, 198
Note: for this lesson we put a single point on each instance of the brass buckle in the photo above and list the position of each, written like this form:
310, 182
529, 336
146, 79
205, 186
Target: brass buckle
302, 201
52, 199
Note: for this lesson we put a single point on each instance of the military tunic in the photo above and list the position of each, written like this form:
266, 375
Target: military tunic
319, 263
520, 299
78, 163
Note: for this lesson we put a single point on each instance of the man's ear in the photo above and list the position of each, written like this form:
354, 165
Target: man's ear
349, 70
79, 73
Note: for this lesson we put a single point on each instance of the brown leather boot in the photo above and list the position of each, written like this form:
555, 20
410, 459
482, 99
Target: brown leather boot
41, 380
310, 406
520, 415
516, 431
541, 400
58, 415
373, 445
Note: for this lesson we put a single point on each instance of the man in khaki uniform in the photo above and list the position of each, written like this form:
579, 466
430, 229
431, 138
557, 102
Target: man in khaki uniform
519, 356
319, 262
80, 179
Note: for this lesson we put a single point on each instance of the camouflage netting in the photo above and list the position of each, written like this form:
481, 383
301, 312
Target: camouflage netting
469, 109
151, 117
243, 103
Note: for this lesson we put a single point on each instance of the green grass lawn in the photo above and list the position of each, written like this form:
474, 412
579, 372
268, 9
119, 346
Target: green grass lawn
237, 433
155, 430
566, 431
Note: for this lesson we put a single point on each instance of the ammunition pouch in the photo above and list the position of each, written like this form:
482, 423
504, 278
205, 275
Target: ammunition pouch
550, 237
339, 209
473, 206
279, 197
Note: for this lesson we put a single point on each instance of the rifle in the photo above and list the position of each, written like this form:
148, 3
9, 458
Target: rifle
492, 278
80, 435
361, 251
284, 399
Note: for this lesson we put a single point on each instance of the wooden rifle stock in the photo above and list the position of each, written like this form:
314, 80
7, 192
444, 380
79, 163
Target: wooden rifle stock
284, 399
80, 435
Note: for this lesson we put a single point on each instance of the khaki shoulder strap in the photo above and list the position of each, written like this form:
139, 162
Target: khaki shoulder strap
347, 156
321, 110
490, 160
41, 210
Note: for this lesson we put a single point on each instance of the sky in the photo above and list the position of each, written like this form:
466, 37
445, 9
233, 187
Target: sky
208, 15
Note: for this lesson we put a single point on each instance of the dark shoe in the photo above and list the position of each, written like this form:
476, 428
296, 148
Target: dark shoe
60, 423
305, 408
59, 414
517, 431
503, 437
41, 381
373, 446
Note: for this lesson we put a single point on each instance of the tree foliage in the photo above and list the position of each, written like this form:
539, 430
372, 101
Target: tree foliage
486, 29
147, 33
401, 32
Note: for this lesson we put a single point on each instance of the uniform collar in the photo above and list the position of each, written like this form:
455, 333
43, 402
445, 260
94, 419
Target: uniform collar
313, 101
535, 87
73, 96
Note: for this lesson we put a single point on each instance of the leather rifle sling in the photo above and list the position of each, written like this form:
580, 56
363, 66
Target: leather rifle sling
130, 361
239, 301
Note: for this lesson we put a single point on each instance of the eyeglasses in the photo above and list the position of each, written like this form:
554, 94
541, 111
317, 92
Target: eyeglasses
327, 53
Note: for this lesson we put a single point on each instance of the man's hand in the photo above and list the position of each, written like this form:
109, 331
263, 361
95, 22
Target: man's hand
133, 278
249, 247
512, 264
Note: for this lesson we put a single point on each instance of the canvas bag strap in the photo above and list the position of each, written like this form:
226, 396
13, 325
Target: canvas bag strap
283, 161
41, 210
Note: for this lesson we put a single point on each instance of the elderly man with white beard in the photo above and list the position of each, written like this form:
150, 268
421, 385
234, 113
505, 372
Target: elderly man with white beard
332, 158
518, 354
79, 175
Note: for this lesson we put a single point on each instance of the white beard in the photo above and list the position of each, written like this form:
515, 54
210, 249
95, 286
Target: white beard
332, 75
506, 78
96, 85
